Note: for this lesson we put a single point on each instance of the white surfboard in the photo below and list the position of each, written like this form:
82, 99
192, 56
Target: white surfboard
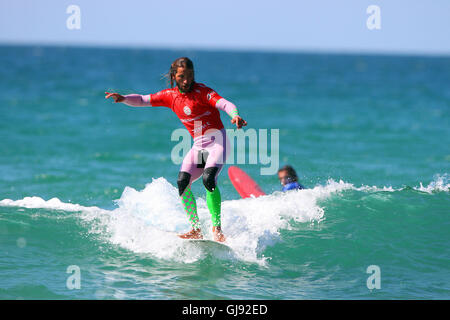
207, 242
218, 249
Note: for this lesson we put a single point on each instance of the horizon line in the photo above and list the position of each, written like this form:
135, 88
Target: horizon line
241, 49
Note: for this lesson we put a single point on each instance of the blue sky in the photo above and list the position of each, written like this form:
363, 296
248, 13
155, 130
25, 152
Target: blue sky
414, 26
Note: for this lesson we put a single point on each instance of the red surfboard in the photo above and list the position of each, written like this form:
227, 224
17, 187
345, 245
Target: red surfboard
244, 185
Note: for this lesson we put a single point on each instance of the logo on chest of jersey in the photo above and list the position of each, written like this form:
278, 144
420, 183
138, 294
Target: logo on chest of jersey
187, 110
207, 113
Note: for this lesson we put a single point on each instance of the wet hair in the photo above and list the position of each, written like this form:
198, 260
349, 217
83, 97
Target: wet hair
183, 62
292, 175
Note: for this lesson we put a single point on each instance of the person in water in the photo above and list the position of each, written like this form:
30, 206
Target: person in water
288, 179
197, 106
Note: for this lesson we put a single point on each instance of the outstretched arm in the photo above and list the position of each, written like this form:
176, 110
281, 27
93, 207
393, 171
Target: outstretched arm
232, 111
134, 100
137, 100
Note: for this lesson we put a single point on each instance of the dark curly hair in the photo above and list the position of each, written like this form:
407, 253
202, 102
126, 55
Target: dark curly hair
183, 62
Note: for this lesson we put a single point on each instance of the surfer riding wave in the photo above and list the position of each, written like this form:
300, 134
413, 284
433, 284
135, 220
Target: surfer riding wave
197, 106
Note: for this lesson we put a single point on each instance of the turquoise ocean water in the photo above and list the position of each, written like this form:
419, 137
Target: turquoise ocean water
88, 184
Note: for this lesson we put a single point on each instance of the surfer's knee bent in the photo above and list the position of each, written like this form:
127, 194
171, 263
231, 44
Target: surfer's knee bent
209, 178
183, 181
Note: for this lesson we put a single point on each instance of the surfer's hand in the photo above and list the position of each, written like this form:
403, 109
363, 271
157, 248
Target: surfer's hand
117, 97
239, 122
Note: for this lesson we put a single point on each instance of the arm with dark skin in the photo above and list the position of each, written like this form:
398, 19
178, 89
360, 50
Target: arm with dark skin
117, 97
239, 122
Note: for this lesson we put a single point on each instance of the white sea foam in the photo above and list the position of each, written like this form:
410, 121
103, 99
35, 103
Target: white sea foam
54, 204
439, 183
147, 221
